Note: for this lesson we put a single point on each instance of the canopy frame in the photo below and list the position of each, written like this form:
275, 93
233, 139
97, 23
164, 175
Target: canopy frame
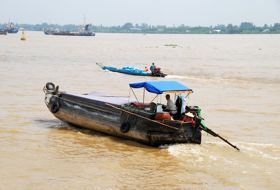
182, 90
160, 87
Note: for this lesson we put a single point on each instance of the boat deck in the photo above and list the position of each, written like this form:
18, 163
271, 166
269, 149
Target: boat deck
116, 100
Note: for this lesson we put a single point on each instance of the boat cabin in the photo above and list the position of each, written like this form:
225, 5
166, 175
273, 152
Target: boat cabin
155, 109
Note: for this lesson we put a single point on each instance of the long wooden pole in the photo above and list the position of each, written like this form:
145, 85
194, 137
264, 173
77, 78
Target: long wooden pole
207, 130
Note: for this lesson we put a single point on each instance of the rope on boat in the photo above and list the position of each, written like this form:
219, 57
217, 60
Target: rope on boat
137, 115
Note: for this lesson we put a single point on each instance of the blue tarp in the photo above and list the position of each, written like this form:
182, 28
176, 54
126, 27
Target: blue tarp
158, 87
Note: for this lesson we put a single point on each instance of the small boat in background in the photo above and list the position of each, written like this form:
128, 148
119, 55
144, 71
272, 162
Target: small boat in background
3, 32
84, 31
132, 71
11, 28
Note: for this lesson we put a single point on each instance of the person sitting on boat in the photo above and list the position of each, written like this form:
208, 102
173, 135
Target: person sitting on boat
153, 68
170, 106
146, 69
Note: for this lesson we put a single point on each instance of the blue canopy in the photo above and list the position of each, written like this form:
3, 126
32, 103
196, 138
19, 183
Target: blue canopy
158, 87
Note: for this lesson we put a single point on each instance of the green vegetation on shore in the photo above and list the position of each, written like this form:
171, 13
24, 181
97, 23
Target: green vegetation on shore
243, 28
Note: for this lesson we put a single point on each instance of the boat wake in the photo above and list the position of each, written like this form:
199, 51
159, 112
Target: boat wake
176, 77
226, 78
193, 78
209, 150
265, 151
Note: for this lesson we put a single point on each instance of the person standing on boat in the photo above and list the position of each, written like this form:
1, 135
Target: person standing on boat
170, 106
153, 68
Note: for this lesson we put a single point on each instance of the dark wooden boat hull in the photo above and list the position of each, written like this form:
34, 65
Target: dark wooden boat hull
116, 121
3, 32
64, 33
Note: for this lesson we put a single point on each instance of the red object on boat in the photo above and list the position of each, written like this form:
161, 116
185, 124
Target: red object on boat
188, 119
163, 116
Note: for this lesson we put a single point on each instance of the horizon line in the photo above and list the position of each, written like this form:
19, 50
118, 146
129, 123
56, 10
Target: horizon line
173, 25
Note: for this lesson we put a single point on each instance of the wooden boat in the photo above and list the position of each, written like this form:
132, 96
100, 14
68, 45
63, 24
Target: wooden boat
131, 71
67, 33
83, 32
143, 122
119, 116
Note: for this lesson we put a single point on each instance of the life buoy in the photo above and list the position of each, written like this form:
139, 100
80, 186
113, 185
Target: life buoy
54, 107
125, 127
50, 86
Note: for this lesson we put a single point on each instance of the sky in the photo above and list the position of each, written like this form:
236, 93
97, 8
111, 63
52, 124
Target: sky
154, 12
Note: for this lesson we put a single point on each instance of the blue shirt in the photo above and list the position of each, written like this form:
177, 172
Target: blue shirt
152, 68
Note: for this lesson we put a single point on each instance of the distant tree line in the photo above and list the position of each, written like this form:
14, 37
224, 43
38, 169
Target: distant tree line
243, 28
